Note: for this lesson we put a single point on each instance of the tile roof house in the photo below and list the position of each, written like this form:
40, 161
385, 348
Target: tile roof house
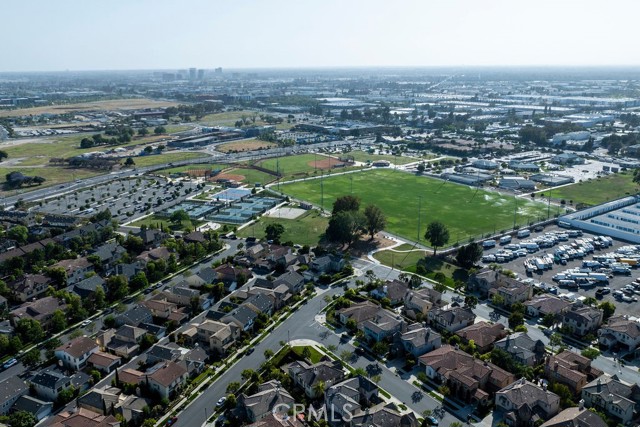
280, 420
155, 254
487, 279
524, 404
547, 304
269, 397
576, 417
132, 408
393, 290
382, 325
420, 301
583, 320
570, 369
109, 254
166, 377
104, 362
220, 337
84, 418
86, 288
41, 310
483, 334
349, 394
293, 280
513, 292
76, 269
471, 379
308, 376
101, 400
451, 319
359, 312
123, 342
384, 415
620, 331
75, 353
30, 286
419, 340
152, 237
613, 396
10, 391
522, 348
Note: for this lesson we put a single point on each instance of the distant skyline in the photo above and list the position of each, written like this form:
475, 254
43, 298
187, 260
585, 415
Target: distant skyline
44, 35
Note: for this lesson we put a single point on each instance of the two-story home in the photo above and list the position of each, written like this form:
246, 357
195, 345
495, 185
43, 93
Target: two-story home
513, 293
76, 269
311, 378
166, 377
547, 304
522, 348
418, 302
524, 404
347, 398
75, 353
468, 378
242, 317
616, 398
358, 312
620, 331
483, 334
419, 340
30, 286
269, 398
41, 310
123, 342
486, 279
382, 325
232, 276
570, 369
48, 384
451, 319
577, 416
104, 362
87, 288
582, 320
10, 391
217, 335
135, 316
393, 290
109, 254
292, 280
384, 415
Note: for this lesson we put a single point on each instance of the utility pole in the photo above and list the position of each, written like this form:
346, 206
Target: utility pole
515, 210
419, 208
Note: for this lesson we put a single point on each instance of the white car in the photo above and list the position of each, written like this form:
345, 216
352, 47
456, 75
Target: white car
85, 323
221, 402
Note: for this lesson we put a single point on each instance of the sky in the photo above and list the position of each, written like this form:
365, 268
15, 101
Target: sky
45, 35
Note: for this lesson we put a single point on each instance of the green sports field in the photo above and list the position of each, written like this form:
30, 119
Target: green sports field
466, 211
305, 230
362, 156
596, 191
292, 165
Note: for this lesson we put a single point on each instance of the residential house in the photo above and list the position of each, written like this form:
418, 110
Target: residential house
292, 280
104, 362
123, 342
10, 391
384, 415
135, 316
194, 237
577, 416
346, 398
620, 331
524, 404
582, 320
194, 360
483, 334
41, 310
87, 288
269, 398
468, 378
418, 302
280, 420
166, 377
260, 303
419, 340
169, 352
451, 319
130, 376
101, 400
570, 369
218, 336
152, 238
612, 396
48, 384
128, 270
154, 254
327, 264
487, 279
513, 293
382, 325
75, 353
232, 276
36, 407
85, 418
109, 254
547, 305
522, 348
30, 286
132, 408
184, 297
76, 269
393, 290
359, 312
310, 377
165, 310
243, 317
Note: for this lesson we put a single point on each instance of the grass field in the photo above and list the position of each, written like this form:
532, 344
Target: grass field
466, 211
182, 169
114, 104
53, 175
252, 176
158, 221
229, 118
361, 156
143, 161
598, 190
245, 145
301, 166
304, 230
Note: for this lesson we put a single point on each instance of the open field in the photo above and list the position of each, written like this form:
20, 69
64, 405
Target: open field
466, 211
301, 166
184, 169
160, 221
362, 156
229, 118
305, 230
54, 175
113, 104
251, 176
597, 191
157, 159
250, 144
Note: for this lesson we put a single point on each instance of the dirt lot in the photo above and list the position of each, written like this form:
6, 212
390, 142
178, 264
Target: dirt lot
229, 176
244, 145
615, 283
115, 104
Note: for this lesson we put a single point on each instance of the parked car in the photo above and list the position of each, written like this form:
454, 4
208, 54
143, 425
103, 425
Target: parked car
432, 421
171, 421
221, 402
9, 363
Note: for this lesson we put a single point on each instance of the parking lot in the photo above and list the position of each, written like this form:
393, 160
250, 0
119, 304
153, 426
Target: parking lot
544, 278
126, 199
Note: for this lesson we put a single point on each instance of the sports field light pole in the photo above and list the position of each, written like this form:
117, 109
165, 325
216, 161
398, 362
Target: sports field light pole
515, 210
419, 207
322, 190
549, 206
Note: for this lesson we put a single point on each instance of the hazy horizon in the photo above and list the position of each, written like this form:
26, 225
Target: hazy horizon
75, 35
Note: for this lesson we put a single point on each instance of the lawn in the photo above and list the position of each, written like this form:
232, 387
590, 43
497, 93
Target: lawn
250, 144
186, 168
252, 176
158, 221
362, 156
301, 166
304, 230
468, 212
53, 174
406, 258
314, 354
229, 118
142, 161
598, 190
113, 104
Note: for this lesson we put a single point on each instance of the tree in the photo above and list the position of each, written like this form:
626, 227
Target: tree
516, 319
232, 387
274, 231
566, 397
318, 388
437, 234
58, 321
32, 358
29, 330
117, 287
139, 281
129, 162
179, 216
306, 352
345, 204
268, 353
469, 255
608, 309
555, 340
471, 301
380, 348
3, 155
19, 233
143, 131
22, 419
590, 352
375, 220
345, 227
497, 300
160, 130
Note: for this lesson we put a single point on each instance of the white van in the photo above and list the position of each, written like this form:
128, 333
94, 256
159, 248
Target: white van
505, 239
524, 233
488, 244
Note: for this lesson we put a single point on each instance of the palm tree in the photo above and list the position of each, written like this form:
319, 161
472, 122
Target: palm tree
318, 388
